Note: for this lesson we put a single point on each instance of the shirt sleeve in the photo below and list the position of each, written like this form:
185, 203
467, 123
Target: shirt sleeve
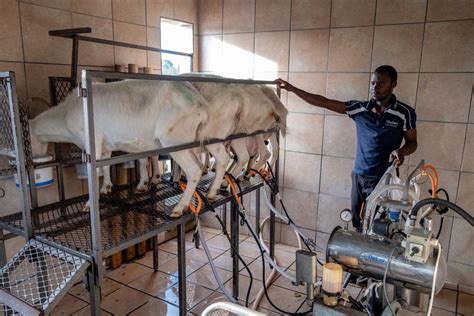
411, 122
353, 107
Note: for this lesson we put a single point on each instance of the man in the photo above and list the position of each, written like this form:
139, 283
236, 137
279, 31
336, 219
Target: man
381, 124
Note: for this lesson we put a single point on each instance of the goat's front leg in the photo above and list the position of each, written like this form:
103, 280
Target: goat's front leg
156, 177
221, 158
106, 187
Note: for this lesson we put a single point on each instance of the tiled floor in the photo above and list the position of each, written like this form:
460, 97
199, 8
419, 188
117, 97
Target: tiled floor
135, 289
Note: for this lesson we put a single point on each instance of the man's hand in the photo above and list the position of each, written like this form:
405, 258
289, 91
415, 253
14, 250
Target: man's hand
396, 157
284, 85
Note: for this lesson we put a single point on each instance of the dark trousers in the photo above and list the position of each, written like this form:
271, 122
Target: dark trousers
362, 186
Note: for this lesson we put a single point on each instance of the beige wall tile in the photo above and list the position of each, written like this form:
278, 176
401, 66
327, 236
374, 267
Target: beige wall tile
471, 116
448, 46
196, 49
312, 82
401, 11
444, 97
460, 273
211, 53
94, 53
186, 10
38, 45
310, 14
445, 236
11, 48
210, 16
39, 73
19, 70
102, 8
328, 212
156, 9
308, 50
348, 86
448, 180
302, 171
239, 16
271, 51
336, 176
448, 139
355, 42
272, 15
58, 4
130, 33
461, 247
352, 12
399, 46
238, 55
441, 10
125, 56
468, 157
305, 133
132, 11
322, 240
465, 198
302, 207
406, 88
288, 236
339, 136
153, 37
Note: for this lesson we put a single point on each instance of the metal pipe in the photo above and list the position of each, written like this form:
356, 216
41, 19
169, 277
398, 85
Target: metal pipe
154, 241
368, 255
234, 235
182, 269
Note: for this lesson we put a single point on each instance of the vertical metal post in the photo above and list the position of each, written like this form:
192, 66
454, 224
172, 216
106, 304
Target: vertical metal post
154, 241
272, 199
75, 57
3, 252
234, 235
92, 180
94, 292
224, 217
257, 210
25, 198
182, 269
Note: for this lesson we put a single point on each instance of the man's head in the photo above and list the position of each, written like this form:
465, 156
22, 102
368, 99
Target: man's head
383, 80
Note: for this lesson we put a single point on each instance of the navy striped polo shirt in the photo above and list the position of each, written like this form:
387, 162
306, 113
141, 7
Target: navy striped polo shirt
378, 134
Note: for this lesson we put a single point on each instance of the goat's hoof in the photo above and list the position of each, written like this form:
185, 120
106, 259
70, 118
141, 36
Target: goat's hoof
211, 197
155, 180
86, 209
176, 213
141, 188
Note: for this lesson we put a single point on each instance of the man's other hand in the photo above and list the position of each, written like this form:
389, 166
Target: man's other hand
396, 157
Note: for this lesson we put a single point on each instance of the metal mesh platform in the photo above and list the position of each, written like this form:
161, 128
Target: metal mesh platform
126, 216
39, 275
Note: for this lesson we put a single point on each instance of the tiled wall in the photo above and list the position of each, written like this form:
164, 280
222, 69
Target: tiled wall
28, 50
331, 47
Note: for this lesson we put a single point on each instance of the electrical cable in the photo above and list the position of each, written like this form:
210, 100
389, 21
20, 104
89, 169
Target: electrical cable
385, 279
448, 204
262, 254
224, 231
433, 288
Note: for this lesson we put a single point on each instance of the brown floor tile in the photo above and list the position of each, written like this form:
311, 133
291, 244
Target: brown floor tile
108, 286
68, 305
284, 299
124, 300
200, 254
153, 283
172, 246
466, 304
163, 257
205, 277
214, 297
225, 261
194, 294
446, 299
171, 267
86, 311
156, 307
126, 273
219, 242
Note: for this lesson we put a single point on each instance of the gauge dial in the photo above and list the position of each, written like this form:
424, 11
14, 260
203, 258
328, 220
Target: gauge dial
346, 215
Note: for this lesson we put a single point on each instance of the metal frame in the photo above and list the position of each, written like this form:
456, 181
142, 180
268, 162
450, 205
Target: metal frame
26, 225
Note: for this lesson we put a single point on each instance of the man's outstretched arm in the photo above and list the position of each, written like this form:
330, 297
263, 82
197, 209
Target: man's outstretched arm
314, 99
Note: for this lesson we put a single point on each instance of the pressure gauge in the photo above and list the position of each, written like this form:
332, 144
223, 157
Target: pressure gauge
346, 215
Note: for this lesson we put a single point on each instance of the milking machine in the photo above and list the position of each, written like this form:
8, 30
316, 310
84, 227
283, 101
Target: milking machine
397, 261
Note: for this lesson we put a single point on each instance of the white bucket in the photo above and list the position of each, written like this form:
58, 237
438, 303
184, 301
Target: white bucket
128, 164
43, 178
81, 171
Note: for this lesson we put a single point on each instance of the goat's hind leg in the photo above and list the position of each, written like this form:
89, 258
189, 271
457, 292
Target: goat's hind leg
221, 158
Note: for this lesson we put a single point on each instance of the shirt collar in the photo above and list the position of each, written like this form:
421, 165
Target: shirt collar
393, 103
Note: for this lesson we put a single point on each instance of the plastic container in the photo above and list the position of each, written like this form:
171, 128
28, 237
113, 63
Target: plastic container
43, 178
81, 171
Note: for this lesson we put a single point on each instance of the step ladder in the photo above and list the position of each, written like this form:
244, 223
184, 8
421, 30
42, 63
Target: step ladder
37, 277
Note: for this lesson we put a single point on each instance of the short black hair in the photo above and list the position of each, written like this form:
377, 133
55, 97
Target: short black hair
389, 70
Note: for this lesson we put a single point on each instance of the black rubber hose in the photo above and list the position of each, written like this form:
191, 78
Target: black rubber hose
448, 204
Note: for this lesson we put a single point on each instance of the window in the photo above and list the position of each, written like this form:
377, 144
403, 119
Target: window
176, 36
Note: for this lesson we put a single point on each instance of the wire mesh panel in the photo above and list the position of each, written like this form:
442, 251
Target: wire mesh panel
6, 131
39, 275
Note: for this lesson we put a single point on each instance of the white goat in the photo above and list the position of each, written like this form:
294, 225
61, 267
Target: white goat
131, 116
